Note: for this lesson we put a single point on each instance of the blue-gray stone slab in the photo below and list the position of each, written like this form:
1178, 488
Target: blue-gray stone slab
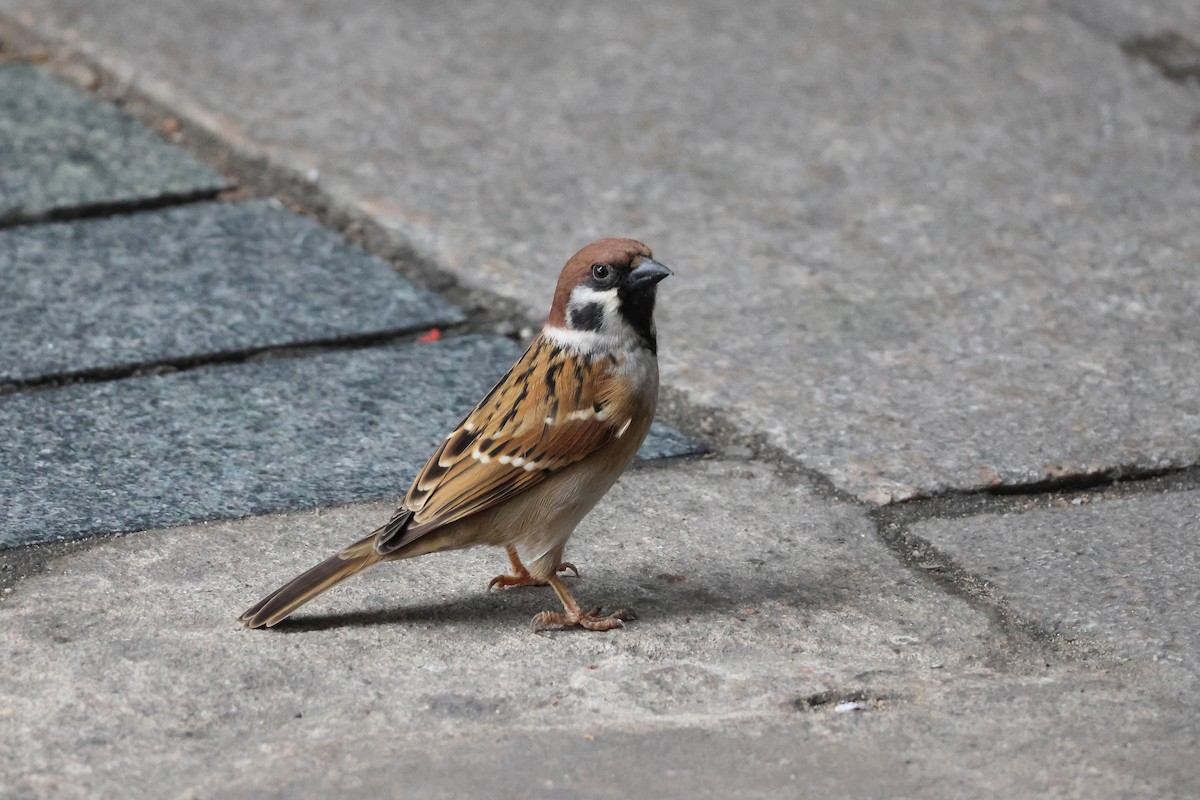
191, 282
663, 441
236, 440
60, 150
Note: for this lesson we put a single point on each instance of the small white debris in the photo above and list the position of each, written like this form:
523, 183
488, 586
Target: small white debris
849, 705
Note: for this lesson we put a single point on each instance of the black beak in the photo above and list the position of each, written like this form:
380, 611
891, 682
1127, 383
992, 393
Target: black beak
647, 274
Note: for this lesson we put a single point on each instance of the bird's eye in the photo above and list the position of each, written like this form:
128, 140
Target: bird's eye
600, 272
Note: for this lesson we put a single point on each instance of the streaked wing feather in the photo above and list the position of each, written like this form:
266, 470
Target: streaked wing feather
483, 462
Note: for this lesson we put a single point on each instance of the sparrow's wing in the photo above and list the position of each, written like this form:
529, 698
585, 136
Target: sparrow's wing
551, 409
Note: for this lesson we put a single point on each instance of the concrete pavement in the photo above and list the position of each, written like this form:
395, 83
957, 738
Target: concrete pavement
943, 254
777, 653
962, 226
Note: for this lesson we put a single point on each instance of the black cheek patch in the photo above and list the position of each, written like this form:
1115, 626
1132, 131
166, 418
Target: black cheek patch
587, 317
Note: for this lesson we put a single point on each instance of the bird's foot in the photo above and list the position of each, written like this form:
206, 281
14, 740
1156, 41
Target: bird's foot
522, 577
589, 620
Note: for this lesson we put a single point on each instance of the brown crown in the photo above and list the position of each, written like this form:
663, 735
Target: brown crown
614, 252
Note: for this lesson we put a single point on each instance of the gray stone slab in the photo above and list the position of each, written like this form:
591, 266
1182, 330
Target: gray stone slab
220, 442
191, 282
925, 247
739, 616
1121, 571
62, 151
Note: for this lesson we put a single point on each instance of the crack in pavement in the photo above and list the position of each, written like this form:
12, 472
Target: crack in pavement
227, 357
1172, 53
894, 526
107, 209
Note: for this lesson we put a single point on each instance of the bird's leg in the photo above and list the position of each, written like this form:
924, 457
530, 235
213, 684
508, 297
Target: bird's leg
573, 615
521, 576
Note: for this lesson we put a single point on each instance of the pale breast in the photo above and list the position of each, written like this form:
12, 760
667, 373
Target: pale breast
557, 506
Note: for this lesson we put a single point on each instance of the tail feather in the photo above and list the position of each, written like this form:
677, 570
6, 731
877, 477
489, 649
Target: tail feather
280, 603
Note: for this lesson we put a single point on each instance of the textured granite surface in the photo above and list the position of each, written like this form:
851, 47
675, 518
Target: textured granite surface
220, 442
666, 442
61, 150
192, 281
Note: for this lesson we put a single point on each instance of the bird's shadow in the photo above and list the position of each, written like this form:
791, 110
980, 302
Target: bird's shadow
651, 597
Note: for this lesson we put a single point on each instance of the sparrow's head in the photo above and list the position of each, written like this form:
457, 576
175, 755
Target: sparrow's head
607, 289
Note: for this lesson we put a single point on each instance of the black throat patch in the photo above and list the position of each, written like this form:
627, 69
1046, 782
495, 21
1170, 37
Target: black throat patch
587, 317
637, 307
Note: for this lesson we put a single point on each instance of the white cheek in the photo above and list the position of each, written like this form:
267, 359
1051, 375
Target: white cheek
612, 324
613, 333
607, 300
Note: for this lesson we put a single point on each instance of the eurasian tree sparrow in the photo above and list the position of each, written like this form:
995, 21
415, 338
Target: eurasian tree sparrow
539, 450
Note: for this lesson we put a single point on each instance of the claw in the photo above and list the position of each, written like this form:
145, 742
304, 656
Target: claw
588, 620
504, 581
572, 616
521, 576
